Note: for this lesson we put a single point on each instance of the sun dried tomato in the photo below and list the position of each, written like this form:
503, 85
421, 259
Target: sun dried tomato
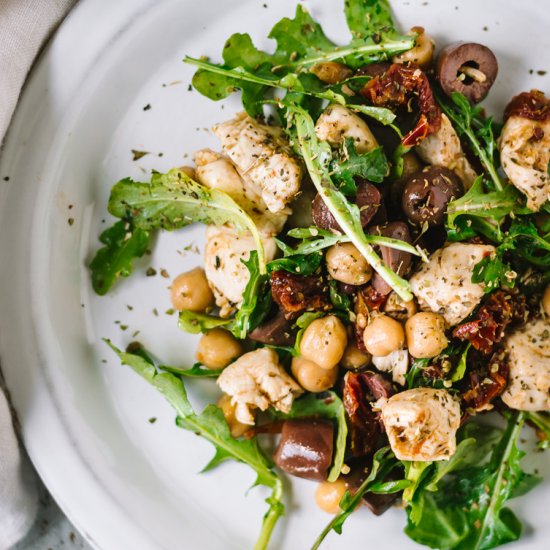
487, 382
363, 426
491, 321
296, 293
533, 105
368, 299
396, 87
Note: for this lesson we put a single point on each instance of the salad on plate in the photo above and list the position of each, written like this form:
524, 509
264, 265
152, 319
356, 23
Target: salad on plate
375, 292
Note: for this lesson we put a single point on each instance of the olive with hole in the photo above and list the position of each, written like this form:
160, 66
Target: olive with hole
398, 261
468, 68
427, 194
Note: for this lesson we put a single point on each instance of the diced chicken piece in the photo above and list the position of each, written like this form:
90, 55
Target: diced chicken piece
528, 351
525, 153
262, 154
396, 362
257, 381
442, 148
444, 284
218, 172
226, 274
421, 424
337, 123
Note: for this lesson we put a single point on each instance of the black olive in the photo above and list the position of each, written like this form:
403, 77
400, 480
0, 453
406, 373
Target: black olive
468, 68
397, 260
427, 194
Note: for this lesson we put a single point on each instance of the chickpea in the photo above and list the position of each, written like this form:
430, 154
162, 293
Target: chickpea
331, 72
217, 348
421, 53
324, 341
383, 335
546, 301
237, 428
329, 494
190, 290
398, 309
311, 376
426, 335
354, 358
346, 264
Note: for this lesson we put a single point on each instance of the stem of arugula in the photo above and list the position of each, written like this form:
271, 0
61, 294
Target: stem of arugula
276, 510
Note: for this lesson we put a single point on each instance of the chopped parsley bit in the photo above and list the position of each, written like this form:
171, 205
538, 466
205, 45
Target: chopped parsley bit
190, 88
155, 312
130, 308
136, 155
147, 107
170, 311
6, 178
70, 221
152, 420
151, 272
135, 333
541, 73
123, 327
164, 273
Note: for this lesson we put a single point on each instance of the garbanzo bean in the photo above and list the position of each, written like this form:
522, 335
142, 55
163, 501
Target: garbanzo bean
383, 335
190, 290
346, 264
354, 358
329, 494
426, 335
237, 428
546, 301
422, 52
331, 72
398, 309
217, 348
324, 341
311, 376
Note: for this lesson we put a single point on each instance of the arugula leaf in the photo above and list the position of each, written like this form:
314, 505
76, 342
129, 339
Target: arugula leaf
299, 264
317, 156
494, 272
383, 463
469, 123
339, 300
123, 242
211, 425
367, 17
469, 505
541, 422
372, 166
322, 405
173, 200
196, 371
302, 323
195, 323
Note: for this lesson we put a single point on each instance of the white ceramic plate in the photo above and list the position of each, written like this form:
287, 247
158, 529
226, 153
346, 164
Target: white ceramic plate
125, 482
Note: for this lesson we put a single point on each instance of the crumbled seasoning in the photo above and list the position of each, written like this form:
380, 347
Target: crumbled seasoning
136, 155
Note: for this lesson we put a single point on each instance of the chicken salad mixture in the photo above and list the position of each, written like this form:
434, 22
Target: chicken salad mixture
376, 275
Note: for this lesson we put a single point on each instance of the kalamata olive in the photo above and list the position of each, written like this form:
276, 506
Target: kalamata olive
427, 194
397, 260
322, 216
369, 201
467, 68
305, 448
373, 69
411, 164
276, 331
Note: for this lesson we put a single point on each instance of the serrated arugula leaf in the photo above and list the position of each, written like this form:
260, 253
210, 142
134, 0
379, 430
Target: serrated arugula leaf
367, 17
211, 425
123, 243
468, 510
173, 200
317, 156
372, 166
383, 463
325, 405
196, 371
299, 264
195, 323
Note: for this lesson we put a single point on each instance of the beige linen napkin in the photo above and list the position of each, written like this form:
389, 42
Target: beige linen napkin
24, 27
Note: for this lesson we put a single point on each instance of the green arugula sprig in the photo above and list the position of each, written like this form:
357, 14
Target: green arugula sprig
469, 123
384, 462
541, 421
212, 426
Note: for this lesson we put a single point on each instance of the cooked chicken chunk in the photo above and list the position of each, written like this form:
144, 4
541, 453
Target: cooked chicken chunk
337, 123
396, 362
529, 358
262, 155
257, 381
442, 148
421, 424
444, 284
226, 274
218, 172
525, 154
